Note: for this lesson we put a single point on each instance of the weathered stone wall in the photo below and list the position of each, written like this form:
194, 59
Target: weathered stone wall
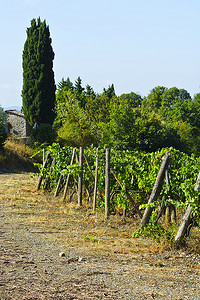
20, 127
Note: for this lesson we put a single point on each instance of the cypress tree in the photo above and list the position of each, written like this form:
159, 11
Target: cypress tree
39, 87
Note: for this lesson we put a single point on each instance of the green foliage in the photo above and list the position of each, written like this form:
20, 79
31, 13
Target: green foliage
89, 91
110, 91
178, 114
77, 132
165, 118
65, 84
154, 99
38, 91
93, 240
137, 171
73, 125
44, 133
156, 231
98, 109
133, 99
80, 92
3, 134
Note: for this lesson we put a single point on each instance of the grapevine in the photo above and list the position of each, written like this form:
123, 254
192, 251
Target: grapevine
136, 170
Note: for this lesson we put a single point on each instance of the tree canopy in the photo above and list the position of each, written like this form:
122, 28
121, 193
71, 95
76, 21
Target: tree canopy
38, 92
163, 118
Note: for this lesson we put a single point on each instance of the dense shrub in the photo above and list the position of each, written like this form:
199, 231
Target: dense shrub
44, 133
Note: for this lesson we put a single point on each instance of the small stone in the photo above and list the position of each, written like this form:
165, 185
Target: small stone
62, 254
81, 259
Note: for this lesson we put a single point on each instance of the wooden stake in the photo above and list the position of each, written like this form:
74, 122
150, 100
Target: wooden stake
60, 180
127, 193
47, 183
80, 177
95, 181
43, 155
43, 167
156, 189
107, 184
186, 218
68, 175
88, 165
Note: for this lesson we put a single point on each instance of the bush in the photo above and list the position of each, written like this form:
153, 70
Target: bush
44, 133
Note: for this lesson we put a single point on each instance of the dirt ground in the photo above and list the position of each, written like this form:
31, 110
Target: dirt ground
52, 250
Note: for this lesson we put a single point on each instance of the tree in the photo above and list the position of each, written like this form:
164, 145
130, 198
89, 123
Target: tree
122, 119
38, 91
89, 91
3, 134
173, 96
98, 108
79, 92
110, 91
73, 125
65, 84
154, 98
134, 100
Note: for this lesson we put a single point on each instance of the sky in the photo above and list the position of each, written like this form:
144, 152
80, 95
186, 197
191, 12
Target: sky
134, 44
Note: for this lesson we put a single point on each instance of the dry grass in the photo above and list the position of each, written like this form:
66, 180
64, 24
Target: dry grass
16, 156
149, 265
68, 224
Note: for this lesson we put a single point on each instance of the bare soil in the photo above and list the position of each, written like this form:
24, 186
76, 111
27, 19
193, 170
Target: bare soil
55, 250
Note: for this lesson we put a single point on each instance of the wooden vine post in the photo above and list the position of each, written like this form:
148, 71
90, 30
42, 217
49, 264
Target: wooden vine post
95, 182
47, 183
186, 218
80, 177
127, 194
43, 167
43, 155
107, 184
156, 189
170, 210
67, 180
60, 180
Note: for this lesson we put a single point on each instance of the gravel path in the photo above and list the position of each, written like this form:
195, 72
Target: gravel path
33, 265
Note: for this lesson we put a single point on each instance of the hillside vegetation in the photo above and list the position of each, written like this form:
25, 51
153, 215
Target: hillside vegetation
15, 156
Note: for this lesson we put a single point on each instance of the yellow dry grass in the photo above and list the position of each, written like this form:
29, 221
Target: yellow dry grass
74, 226
17, 156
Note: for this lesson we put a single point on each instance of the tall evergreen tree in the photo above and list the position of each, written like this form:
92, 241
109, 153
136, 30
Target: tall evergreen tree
65, 84
89, 91
80, 92
39, 87
110, 91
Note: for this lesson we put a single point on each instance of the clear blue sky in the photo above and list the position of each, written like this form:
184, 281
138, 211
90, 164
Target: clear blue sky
134, 44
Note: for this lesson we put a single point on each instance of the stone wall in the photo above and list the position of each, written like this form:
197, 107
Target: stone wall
20, 128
